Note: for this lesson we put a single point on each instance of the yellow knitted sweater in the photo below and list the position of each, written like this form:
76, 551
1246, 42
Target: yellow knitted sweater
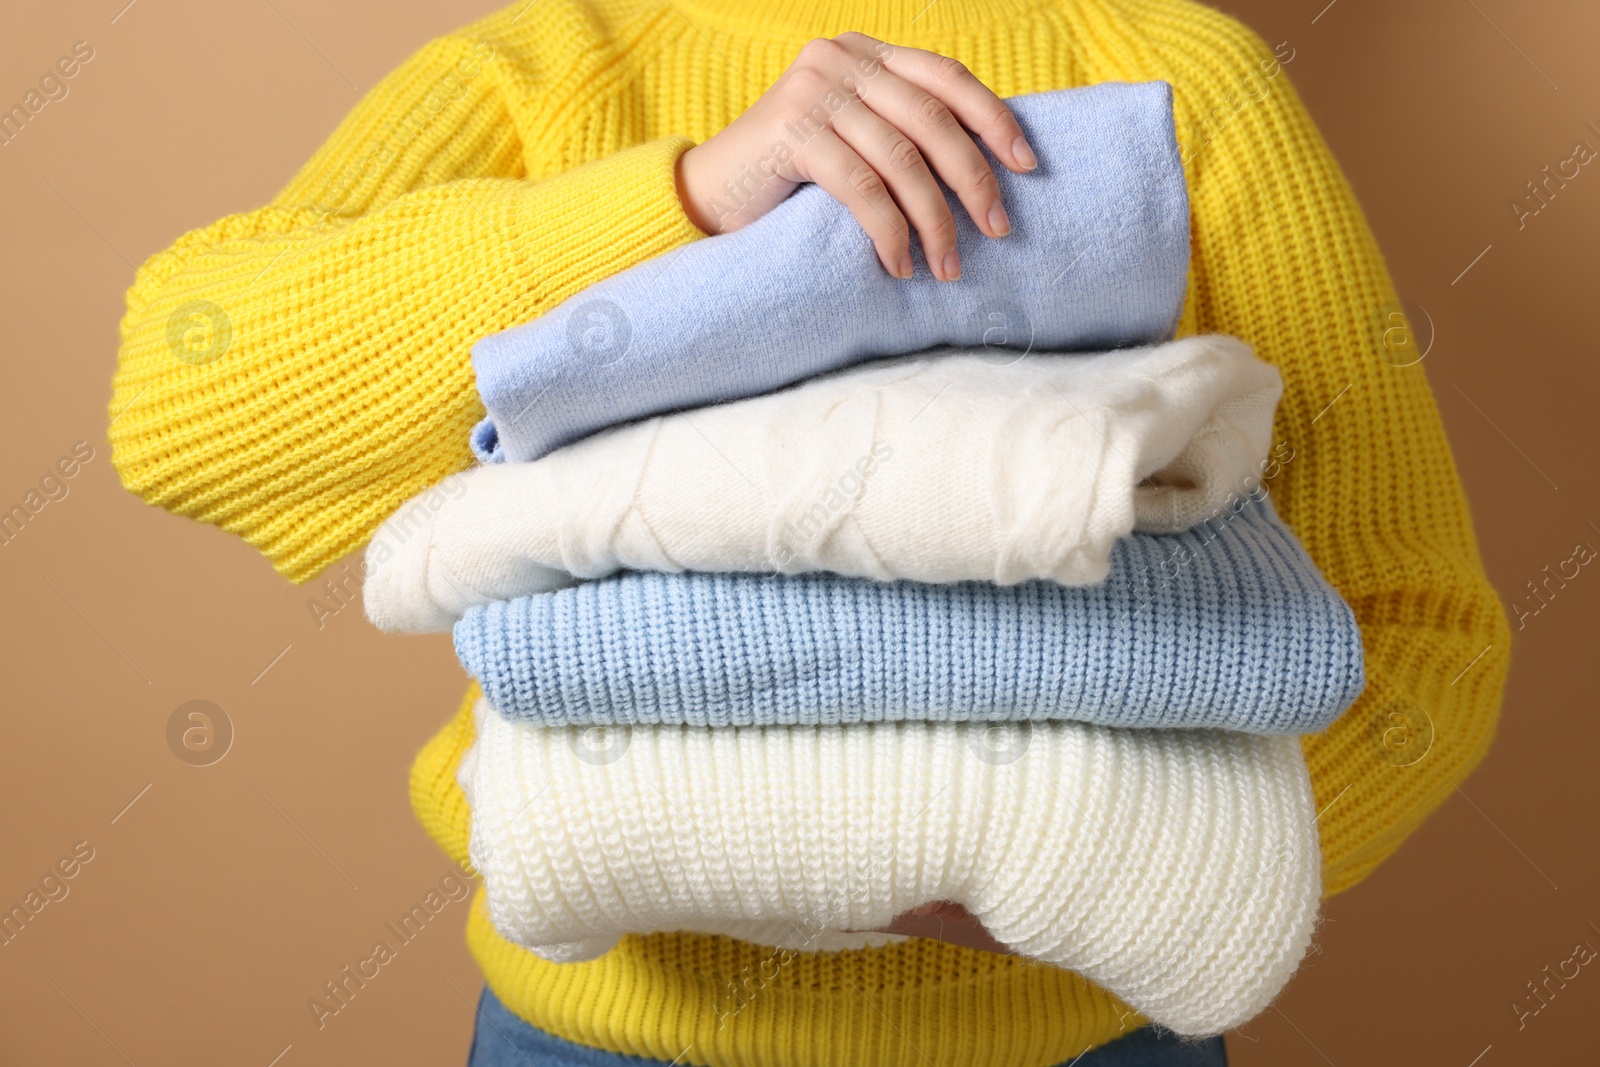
295, 373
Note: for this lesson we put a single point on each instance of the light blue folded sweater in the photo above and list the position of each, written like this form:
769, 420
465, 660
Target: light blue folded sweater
1226, 625
1098, 257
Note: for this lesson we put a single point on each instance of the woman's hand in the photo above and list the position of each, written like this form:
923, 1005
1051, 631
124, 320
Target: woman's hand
872, 124
944, 921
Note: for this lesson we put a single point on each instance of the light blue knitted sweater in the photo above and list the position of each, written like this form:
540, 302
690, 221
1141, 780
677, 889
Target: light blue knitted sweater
1098, 257
1226, 625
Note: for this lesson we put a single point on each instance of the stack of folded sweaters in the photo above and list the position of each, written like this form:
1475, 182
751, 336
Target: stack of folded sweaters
801, 596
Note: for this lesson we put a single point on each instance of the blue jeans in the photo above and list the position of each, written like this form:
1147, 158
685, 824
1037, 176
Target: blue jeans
501, 1039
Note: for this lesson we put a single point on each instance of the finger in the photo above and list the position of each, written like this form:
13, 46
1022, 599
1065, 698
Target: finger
948, 922
942, 140
945, 145
845, 176
900, 164
977, 106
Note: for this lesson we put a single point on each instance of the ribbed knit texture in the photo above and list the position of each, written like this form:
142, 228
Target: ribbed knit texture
953, 465
422, 226
1227, 625
1098, 256
1177, 868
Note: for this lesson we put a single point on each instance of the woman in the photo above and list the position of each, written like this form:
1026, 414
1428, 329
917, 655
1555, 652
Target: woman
295, 373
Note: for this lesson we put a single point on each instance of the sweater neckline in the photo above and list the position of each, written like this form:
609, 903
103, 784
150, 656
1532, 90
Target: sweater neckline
897, 21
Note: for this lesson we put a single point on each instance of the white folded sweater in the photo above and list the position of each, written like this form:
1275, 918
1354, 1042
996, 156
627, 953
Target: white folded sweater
947, 466
1178, 869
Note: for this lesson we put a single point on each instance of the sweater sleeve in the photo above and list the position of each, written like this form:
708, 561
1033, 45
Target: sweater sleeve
294, 373
1363, 472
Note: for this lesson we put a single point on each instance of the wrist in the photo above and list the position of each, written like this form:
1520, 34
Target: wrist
692, 205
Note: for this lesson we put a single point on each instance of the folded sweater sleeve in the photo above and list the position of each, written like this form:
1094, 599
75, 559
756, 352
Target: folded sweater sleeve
1283, 258
294, 373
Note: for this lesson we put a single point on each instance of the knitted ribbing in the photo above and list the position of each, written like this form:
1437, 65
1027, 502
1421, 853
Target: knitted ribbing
1098, 256
883, 1005
1178, 869
351, 391
947, 466
1227, 625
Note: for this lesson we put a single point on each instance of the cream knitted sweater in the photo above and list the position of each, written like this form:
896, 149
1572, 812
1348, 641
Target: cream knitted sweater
947, 466
1178, 869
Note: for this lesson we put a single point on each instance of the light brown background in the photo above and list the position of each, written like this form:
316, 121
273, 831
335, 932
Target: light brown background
224, 896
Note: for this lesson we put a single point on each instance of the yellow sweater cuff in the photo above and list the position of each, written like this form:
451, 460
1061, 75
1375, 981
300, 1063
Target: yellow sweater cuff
295, 378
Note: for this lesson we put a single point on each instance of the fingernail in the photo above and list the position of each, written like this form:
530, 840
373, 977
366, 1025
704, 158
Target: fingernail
1024, 154
952, 266
999, 221
904, 270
